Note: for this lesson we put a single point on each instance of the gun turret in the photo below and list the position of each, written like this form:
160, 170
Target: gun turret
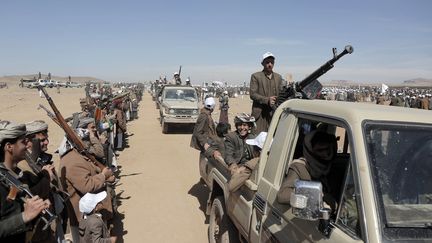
309, 87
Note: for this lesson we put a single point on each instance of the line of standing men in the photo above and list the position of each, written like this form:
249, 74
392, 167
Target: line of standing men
45, 203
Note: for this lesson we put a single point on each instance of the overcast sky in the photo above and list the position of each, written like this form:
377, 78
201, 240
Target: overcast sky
216, 40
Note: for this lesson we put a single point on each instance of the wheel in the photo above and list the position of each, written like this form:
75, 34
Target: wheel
221, 229
164, 127
157, 105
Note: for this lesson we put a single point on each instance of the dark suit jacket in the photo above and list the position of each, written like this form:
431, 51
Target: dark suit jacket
235, 146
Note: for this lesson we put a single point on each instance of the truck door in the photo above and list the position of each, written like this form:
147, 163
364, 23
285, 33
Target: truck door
280, 225
277, 153
239, 206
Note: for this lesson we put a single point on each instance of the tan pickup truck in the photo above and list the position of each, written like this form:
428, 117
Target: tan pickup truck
381, 179
178, 105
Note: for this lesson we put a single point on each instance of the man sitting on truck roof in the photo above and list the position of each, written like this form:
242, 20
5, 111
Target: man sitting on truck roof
319, 151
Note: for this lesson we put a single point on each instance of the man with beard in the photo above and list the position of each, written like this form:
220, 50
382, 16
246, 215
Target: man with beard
264, 89
237, 152
319, 151
15, 217
37, 132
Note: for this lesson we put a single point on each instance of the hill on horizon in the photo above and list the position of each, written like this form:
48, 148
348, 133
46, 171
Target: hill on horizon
15, 79
411, 82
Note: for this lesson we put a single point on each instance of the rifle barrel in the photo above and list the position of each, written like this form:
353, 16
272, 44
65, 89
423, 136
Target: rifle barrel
71, 135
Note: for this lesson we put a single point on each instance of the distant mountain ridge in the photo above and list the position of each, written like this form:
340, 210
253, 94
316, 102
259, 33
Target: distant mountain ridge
10, 79
418, 81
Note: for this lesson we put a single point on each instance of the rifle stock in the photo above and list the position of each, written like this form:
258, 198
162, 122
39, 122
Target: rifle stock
70, 134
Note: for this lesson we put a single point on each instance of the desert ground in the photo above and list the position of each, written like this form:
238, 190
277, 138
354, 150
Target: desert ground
160, 195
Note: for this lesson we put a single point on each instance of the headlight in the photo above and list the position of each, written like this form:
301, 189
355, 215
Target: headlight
171, 111
195, 112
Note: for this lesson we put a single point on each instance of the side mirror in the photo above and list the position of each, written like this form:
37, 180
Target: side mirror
307, 201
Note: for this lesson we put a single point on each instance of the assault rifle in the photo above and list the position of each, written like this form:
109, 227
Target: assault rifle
17, 188
310, 87
36, 160
70, 134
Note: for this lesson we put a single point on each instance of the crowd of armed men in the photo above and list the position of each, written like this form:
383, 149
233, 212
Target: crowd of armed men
419, 98
41, 204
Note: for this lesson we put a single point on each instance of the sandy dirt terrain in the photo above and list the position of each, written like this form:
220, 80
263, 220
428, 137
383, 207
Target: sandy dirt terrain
160, 196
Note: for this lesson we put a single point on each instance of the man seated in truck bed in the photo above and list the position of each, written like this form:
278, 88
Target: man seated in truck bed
217, 144
237, 152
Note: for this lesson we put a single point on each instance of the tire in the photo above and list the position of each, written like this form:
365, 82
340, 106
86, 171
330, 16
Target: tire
221, 229
164, 127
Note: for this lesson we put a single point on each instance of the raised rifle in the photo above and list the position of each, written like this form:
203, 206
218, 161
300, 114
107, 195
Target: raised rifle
49, 113
310, 87
70, 134
17, 188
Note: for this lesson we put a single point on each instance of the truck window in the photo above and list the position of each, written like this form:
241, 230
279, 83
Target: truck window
400, 156
348, 216
338, 170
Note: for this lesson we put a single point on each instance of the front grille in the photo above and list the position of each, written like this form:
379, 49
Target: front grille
183, 111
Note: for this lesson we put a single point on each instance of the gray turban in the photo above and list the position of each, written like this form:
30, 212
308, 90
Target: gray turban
11, 130
37, 126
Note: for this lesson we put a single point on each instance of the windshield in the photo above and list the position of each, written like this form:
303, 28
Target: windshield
401, 161
180, 94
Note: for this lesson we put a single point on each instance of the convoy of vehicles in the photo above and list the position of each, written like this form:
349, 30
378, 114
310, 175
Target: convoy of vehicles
31, 83
380, 179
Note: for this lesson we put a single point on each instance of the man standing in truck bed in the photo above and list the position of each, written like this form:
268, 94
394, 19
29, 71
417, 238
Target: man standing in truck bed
264, 88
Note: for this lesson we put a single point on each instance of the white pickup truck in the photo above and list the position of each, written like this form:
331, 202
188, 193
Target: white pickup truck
381, 179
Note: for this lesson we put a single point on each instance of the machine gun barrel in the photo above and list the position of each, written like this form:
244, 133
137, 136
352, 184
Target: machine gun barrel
297, 90
324, 68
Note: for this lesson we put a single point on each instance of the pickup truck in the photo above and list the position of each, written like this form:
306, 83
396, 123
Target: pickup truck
178, 105
381, 179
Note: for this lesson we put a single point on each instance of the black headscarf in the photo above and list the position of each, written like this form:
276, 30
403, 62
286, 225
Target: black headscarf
318, 167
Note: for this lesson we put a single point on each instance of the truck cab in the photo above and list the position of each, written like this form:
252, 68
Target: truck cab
380, 179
